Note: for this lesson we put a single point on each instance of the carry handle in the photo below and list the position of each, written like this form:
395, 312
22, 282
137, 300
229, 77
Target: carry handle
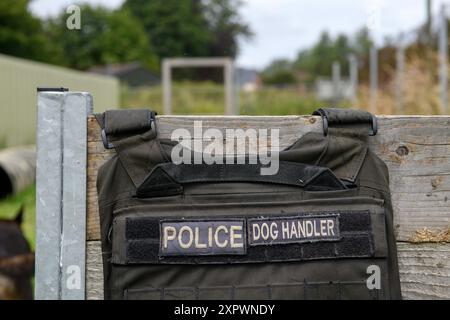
168, 179
336, 116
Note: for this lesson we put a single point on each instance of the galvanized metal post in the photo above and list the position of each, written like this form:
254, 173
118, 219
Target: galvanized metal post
443, 67
49, 143
61, 194
400, 68
373, 78
336, 78
229, 91
77, 107
167, 87
353, 72
237, 91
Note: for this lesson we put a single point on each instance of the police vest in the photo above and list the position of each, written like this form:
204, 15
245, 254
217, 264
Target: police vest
321, 227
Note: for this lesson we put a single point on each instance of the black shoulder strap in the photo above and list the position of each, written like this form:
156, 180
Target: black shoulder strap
346, 132
132, 134
334, 117
118, 124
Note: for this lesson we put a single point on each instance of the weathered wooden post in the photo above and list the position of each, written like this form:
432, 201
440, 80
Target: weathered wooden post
443, 64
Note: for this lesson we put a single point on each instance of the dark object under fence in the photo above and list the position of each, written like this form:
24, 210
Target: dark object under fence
17, 169
16, 261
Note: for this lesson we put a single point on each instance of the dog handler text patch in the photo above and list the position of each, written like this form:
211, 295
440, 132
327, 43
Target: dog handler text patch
202, 237
280, 230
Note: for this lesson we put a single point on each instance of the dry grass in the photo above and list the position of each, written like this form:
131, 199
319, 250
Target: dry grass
427, 235
420, 94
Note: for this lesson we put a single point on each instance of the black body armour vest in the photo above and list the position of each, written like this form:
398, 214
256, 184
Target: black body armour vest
319, 228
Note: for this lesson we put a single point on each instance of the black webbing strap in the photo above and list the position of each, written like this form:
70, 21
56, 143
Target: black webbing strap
142, 244
343, 117
117, 124
168, 178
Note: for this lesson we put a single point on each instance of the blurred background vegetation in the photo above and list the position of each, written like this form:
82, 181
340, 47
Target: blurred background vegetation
145, 32
140, 33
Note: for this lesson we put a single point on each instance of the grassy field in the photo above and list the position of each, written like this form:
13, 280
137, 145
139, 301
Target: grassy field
208, 98
10, 206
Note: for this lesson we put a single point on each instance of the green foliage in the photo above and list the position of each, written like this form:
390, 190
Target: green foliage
140, 30
318, 60
191, 28
225, 27
362, 43
279, 72
21, 34
174, 28
105, 37
280, 77
10, 206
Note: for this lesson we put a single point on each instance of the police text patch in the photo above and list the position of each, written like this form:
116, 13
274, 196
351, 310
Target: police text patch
202, 237
293, 229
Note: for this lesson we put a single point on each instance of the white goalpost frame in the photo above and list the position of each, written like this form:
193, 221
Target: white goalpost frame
227, 65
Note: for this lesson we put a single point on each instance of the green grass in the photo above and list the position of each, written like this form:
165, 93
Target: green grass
273, 101
10, 206
208, 98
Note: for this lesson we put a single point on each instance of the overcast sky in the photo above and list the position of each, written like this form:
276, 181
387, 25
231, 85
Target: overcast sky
282, 27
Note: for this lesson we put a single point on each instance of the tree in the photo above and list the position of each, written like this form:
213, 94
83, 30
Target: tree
279, 72
318, 60
315, 60
362, 43
191, 27
105, 37
226, 27
174, 28
21, 34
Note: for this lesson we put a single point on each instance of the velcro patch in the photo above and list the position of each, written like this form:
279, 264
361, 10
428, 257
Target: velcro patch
294, 229
202, 237
231, 239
